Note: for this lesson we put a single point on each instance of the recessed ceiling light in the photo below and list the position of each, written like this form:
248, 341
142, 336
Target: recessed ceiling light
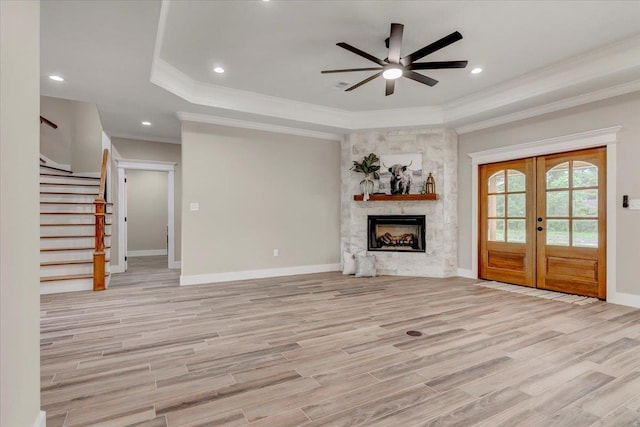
219, 70
56, 78
146, 123
476, 70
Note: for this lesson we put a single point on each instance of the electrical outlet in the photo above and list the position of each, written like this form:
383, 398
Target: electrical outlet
194, 207
634, 204
276, 252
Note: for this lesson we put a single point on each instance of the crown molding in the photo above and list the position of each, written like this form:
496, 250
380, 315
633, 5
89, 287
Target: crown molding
618, 57
598, 63
245, 124
147, 139
564, 104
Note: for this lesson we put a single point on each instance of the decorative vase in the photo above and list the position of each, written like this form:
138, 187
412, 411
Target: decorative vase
366, 186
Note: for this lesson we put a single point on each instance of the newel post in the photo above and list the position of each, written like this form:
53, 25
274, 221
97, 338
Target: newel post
98, 253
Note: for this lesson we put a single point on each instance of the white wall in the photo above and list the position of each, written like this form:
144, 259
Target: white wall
156, 151
258, 191
146, 211
78, 139
19, 213
55, 144
623, 110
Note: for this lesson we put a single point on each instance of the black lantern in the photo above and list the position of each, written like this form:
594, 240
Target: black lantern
430, 185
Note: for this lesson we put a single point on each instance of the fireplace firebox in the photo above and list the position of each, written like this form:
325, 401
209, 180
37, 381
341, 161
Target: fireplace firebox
396, 233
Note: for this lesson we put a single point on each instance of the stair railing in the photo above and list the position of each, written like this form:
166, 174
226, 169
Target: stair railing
99, 261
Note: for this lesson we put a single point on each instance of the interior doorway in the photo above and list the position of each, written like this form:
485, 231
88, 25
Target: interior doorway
542, 222
129, 167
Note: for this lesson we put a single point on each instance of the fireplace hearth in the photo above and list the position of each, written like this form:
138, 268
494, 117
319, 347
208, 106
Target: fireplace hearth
396, 233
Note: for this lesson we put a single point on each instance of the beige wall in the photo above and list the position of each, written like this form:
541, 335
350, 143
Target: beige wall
78, 139
156, 151
146, 210
258, 191
86, 146
55, 144
19, 213
624, 111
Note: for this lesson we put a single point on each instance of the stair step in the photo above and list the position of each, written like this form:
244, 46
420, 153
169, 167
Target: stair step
72, 213
75, 185
60, 193
73, 203
69, 277
72, 237
55, 169
69, 176
69, 225
72, 262
71, 249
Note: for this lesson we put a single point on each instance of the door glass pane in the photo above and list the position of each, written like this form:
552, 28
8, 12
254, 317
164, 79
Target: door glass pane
585, 174
516, 231
495, 205
585, 203
557, 203
558, 232
515, 181
517, 205
496, 182
495, 230
585, 233
558, 177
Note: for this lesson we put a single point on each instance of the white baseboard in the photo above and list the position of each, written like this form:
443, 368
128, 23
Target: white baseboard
115, 269
466, 272
147, 252
41, 419
624, 299
197, 279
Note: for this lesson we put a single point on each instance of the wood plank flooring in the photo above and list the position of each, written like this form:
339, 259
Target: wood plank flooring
325, 349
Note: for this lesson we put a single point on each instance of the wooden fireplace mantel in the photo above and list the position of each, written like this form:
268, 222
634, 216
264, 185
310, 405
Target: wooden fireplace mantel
396, 197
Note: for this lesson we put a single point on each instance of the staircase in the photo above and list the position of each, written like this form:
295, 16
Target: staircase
67, 230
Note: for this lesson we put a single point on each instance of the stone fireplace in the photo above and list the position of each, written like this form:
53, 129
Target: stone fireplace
438, 255
396, 233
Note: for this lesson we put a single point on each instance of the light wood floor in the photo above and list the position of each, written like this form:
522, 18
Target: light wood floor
325, 349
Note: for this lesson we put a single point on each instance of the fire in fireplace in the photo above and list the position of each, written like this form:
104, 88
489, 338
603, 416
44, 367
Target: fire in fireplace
396, 233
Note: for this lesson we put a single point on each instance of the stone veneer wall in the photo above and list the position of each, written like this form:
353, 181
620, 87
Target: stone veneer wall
439, 148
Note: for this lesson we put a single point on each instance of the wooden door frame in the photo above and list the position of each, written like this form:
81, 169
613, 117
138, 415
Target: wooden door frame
149, 165
590, 139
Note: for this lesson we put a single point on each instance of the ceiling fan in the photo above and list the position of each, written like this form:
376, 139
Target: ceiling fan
395, 66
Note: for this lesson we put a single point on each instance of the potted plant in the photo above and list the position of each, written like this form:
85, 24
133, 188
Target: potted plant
369, 166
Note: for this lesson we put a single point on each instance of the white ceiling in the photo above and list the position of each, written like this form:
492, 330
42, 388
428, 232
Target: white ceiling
533, 53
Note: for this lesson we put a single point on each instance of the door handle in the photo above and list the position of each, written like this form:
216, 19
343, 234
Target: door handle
540, 228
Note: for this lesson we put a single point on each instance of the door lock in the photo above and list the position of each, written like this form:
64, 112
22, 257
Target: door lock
540, 228
539, 219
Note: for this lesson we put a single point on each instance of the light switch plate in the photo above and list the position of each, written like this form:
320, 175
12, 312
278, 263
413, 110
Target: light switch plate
634, 204
194, 207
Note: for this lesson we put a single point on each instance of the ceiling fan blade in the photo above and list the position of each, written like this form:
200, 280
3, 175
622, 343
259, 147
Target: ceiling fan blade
348, 70
361, 53
367, 80
420, 78
395, 43
421, 53
389, 88
437, 65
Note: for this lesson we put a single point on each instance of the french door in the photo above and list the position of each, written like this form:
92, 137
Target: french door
542, 222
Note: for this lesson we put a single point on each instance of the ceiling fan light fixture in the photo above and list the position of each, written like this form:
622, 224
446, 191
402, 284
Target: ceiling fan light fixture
392, 72
476, 70
218, 70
